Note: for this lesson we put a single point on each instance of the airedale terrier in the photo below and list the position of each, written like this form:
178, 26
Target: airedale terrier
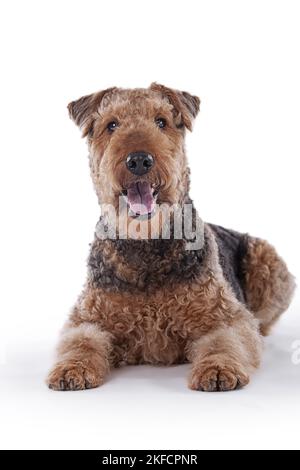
157, 300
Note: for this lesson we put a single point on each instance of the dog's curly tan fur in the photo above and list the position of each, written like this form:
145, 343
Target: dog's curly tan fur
268, 284
153, 301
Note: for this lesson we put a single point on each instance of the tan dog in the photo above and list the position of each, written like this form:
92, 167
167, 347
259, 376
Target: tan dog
156, 301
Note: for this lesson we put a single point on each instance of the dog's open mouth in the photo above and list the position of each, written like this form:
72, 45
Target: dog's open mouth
141, 198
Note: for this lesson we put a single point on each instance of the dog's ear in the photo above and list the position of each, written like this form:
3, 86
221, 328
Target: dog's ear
84, 110
186, 106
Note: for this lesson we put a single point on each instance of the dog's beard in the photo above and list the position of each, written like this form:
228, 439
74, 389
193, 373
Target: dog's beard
141, 198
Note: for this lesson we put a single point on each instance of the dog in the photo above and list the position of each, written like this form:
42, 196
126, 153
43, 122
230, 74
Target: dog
162, 300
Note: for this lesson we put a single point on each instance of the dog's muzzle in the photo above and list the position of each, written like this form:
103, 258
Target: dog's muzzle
139, 163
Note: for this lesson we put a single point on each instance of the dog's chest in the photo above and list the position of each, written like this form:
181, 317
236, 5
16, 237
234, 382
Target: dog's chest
150, 329
150, 296
149, 335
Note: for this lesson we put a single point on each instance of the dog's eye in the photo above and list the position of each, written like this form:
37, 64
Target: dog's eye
161, 122
111, 126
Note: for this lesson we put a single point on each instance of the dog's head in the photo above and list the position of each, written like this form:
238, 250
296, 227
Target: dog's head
136, 144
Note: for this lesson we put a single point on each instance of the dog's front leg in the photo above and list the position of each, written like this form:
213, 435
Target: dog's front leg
83, 358
223, 359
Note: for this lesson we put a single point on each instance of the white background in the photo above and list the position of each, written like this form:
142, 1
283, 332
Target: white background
242, 59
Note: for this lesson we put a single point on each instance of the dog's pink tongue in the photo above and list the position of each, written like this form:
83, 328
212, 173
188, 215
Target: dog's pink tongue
140, 198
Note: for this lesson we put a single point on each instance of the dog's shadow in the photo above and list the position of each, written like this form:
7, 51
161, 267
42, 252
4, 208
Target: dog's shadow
171, 377
279, 369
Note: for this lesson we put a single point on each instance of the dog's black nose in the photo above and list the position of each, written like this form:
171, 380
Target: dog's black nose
139, 163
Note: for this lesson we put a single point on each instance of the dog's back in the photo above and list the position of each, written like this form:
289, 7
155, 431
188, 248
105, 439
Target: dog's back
257, 274
232, 247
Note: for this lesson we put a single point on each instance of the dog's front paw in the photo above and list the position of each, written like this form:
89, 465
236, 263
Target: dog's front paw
73, 376
213, 378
